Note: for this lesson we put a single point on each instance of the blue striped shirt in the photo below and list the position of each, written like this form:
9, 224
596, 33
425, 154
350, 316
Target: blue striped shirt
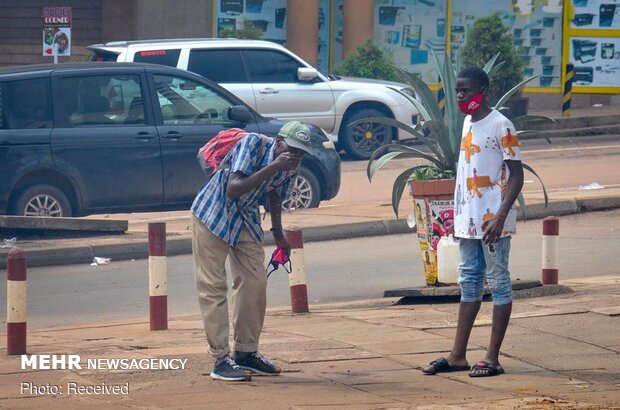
226, 217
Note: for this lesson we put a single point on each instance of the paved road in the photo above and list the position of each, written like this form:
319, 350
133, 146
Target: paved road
345, 270
564, 166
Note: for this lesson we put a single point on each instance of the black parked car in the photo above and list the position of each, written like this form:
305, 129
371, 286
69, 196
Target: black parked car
83, 138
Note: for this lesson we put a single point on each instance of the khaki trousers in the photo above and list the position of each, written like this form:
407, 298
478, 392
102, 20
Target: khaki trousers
249, 289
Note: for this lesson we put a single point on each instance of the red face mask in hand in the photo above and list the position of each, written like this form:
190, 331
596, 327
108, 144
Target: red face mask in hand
278, 258
472, 105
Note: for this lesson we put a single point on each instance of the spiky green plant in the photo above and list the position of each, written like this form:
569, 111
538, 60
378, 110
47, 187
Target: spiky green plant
442, 136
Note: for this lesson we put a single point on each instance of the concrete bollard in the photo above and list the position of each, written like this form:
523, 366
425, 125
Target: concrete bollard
16, 302
297, 278
158, 276
550, 250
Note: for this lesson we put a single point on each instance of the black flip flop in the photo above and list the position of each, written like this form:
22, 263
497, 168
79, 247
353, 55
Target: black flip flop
484, 369
441, 365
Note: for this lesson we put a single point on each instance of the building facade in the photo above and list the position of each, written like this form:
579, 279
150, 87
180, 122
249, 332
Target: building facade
549, 34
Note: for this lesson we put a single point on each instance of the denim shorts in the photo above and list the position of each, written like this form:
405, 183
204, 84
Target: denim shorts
478, 259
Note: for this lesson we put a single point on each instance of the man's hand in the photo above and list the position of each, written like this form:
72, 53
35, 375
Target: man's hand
287, 161
280, 241
493, 229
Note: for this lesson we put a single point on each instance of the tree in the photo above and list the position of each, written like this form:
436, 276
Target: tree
248, 32
488, 37
369, 61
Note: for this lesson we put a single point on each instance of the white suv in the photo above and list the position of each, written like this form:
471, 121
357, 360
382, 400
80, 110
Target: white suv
277, 83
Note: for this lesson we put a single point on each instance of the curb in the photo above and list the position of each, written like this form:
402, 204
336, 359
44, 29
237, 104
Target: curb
570, 133
138, 249
425, 292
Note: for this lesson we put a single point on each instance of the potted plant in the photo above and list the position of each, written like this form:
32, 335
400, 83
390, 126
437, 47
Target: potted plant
435, 179
488, 37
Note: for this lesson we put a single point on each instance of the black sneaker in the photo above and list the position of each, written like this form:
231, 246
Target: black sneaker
256, 363
226, 369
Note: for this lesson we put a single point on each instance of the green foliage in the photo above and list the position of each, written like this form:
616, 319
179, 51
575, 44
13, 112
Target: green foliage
369, 61
487, 38
441, 136
247, 32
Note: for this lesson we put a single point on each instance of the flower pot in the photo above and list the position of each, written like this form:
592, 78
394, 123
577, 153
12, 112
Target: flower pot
438, 189
434, 209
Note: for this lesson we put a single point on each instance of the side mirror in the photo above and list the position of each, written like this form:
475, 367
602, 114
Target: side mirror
307, 74
240, 113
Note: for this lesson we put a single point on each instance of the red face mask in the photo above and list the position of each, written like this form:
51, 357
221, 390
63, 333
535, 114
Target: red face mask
472, 105
278, 258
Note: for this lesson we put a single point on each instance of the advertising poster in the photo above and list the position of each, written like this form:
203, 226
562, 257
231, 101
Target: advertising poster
442, 220
596, 61
268, 15
409, 30
57, 31
536, 27
595, 14
421, 218
429, 260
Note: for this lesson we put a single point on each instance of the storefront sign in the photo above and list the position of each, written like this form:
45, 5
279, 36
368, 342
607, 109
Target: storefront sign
56, 31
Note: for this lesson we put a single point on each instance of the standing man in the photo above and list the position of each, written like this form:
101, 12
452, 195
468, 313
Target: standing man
491, 176
226, 222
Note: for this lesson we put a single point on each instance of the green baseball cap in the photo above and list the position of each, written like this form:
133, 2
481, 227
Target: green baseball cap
296, 134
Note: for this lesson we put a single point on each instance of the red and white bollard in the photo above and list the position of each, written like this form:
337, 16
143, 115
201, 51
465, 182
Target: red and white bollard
297, 278
16, 302
158, 276
550, 250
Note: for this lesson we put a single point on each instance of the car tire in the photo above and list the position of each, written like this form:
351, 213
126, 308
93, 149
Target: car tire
361, 140
305, 192
42, 200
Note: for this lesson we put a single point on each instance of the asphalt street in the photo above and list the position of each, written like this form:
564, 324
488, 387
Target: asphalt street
338, 271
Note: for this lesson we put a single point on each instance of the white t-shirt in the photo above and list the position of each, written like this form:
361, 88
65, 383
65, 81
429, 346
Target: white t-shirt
482, 174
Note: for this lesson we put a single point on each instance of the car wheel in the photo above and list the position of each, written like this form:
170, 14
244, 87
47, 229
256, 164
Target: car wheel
305, 192
362, 139
42, 200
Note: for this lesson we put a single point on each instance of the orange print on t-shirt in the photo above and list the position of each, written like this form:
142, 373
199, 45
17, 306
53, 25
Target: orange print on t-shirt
488, 216
478, 181
467, 145
509, 141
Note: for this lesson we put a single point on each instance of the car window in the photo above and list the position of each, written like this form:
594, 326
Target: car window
100, 55
27, 103
268, 66
221, 66
184, 101
102, 100
3, 122
163, 57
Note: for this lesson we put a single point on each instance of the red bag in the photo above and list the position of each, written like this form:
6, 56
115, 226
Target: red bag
211, 155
